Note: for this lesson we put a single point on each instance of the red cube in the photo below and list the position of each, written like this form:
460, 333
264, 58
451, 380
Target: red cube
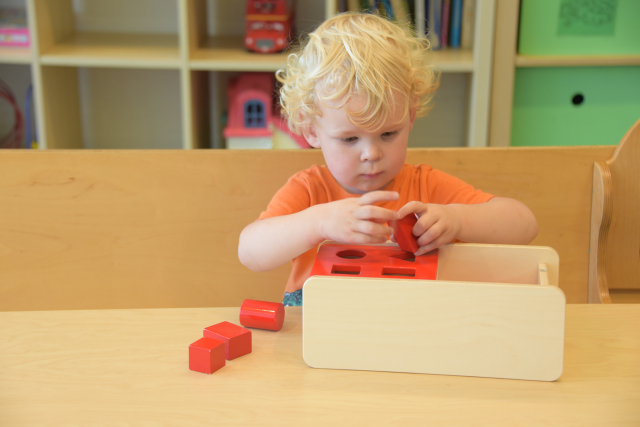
236, 338
262, 314
207, 355
403, 232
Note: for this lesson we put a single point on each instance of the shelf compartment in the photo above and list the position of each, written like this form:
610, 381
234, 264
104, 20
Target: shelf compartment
88, 34
577, 61
115, 50
111, 108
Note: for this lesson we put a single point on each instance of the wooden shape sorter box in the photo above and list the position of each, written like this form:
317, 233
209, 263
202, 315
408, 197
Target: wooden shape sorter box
492, 311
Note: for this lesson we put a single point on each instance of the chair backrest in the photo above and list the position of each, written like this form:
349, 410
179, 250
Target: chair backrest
614, 267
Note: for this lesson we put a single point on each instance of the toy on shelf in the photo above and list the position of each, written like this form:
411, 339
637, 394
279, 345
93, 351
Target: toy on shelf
254, 121
262, 314
207, 355
492, 311
236, 338
269, 25
13, 28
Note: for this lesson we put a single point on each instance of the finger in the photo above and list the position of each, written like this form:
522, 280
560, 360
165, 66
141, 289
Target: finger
378, 196
431, 234
412, 207
442, 240
366, 239
372, 228
424, 224
371, 212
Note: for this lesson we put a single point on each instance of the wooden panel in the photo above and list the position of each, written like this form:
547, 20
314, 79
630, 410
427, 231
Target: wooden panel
481, 78
622, 257
61, 106
15, 55
54, 21
497, 263
161, 228
505, 45
434, 327
115, 50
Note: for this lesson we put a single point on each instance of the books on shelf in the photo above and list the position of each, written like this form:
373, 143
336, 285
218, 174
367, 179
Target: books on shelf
445, 23
393, 9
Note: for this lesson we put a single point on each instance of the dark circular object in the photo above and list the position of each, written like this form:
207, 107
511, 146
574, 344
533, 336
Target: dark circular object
351, 254
577, 99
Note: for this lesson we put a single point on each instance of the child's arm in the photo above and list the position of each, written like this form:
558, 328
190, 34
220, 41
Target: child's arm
500, 220
269, 243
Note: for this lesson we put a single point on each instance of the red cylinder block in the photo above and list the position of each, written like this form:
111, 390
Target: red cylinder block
262, 314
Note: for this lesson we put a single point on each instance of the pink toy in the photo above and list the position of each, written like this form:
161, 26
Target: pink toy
236, 338
403, 232
207, 355
373, 261
262, 314
252, 117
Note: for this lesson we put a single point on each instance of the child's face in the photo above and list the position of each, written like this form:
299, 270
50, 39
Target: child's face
359, 160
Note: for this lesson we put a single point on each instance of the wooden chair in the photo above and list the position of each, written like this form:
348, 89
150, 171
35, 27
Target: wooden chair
614, 264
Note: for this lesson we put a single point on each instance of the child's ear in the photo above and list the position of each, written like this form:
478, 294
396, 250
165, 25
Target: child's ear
310, 134
412, 117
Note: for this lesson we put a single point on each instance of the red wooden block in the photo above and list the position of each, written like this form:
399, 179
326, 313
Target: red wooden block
236, 338
374, 261
403, 232
262, 314
207, 355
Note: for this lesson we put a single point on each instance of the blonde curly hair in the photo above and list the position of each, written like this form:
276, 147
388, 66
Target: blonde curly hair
357, 53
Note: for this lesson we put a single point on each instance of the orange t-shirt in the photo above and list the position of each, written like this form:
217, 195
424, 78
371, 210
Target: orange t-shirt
316, 185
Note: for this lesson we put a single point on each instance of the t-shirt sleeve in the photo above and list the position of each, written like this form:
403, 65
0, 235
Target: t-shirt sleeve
445, 189
293, 197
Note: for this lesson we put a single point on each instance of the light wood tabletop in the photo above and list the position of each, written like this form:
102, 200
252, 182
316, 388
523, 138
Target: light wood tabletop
130, 368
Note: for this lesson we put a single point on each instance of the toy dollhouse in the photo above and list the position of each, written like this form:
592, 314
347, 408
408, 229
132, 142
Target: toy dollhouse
253, 121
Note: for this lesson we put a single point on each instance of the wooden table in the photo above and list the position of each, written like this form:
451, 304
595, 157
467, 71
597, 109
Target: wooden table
130, 367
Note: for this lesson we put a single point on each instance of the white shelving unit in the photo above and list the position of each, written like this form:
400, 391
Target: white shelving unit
153, 73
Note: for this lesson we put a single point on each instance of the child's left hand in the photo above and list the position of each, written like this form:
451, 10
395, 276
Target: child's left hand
437, 224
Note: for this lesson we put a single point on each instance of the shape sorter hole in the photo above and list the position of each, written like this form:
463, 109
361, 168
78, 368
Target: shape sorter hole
404, 256
345, 269
399, 271
351, 254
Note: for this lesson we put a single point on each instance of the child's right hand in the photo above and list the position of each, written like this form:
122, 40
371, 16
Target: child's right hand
357, 220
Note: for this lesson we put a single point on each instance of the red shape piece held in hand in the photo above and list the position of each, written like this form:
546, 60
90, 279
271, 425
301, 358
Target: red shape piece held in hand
207, 355
403, 232
262, 314
236, 338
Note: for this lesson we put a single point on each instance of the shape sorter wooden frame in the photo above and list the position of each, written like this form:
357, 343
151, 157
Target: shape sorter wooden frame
493, 311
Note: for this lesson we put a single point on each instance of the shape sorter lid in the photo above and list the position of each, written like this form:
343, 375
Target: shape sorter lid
374, 261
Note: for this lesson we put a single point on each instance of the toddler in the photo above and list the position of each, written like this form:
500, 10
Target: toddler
354, 89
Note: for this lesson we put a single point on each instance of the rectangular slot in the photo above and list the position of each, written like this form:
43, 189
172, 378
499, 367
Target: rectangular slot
399, 271
345, 269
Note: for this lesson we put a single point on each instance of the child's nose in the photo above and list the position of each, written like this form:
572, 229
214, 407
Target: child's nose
371, 153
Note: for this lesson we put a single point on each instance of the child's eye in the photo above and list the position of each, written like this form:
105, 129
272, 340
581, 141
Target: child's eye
388, 135
349, 139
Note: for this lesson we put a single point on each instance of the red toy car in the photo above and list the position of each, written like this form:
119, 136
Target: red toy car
269, 25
